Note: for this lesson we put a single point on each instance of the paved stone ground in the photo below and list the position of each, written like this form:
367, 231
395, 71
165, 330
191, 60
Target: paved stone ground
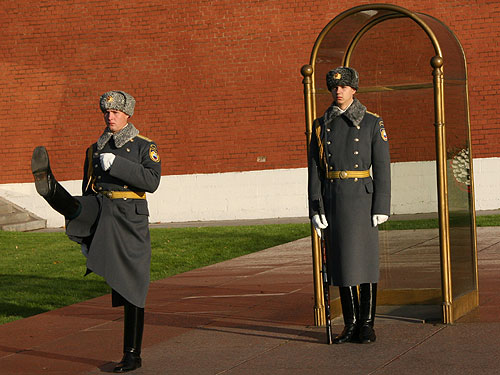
254, 315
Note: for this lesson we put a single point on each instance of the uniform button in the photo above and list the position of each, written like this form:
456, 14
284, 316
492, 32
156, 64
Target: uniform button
98, 177
358, 127
356, 152
128, 150
328, 142
99, 188
329, 155
328, 129
355, 179
124, 198
96, 166
125, 186
96, 153
356, 166
331, 168
356, 139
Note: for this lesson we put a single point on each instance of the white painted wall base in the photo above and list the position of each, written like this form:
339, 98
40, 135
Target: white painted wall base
487, 183
413, 187
201, 197
265, 194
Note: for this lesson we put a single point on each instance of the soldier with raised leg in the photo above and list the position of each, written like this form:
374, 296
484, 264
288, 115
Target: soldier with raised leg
110, 219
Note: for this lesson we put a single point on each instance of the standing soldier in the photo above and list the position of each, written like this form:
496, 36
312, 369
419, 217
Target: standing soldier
346, 204
110, 220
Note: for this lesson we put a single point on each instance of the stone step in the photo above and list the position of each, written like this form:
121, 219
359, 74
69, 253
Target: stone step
15, 218
5, 208
33, 224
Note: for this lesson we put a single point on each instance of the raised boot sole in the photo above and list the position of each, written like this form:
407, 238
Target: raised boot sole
40, 168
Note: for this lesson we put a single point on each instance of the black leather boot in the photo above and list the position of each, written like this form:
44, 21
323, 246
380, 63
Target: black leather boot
350, 310
48, 187
133, 327
367, 308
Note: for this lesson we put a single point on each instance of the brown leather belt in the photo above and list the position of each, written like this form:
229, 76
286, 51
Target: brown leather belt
347, 174
124, 194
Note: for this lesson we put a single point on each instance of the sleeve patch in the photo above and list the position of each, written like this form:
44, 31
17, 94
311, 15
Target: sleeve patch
383, 134
153, 153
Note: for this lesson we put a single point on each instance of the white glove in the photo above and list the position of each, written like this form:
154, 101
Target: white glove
379, 219
106, 160
85, 250
319, 223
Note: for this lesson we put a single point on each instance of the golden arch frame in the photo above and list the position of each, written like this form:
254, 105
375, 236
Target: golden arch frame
452, 307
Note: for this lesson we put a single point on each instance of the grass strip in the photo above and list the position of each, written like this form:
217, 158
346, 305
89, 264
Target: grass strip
458, 220
44, 271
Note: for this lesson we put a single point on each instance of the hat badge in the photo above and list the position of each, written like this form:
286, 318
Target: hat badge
337, 76
109, 99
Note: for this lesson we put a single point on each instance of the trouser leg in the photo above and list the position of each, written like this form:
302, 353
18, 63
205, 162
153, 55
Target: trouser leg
367, 308
48, 187
350, 311
133, 327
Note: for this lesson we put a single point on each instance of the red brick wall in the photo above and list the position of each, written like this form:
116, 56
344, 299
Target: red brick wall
217, 83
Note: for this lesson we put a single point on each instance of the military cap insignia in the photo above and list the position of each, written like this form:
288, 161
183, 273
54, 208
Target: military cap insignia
383, 134
337, 76
153, 154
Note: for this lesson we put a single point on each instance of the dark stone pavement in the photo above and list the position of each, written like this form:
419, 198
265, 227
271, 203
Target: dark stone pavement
254, 315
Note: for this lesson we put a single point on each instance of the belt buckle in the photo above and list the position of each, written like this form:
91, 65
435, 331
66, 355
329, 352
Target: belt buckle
109, 194
343, 175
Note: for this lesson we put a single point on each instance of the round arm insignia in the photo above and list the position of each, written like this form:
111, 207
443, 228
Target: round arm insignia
383, 134
153, 153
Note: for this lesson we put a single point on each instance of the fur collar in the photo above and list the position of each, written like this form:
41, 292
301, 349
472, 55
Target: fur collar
120, 138
354, 113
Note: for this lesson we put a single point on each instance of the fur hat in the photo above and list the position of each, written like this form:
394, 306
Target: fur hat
118, 101
342, 76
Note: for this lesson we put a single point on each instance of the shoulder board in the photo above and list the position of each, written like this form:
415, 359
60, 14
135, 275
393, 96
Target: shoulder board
145, 138
372, 113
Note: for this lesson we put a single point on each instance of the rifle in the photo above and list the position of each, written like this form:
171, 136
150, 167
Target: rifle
326, 292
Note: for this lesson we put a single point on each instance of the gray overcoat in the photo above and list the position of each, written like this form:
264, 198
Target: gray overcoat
351, 141
116, 231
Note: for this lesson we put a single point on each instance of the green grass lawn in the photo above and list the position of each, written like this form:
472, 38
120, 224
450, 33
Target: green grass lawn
481, 221
44, 271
